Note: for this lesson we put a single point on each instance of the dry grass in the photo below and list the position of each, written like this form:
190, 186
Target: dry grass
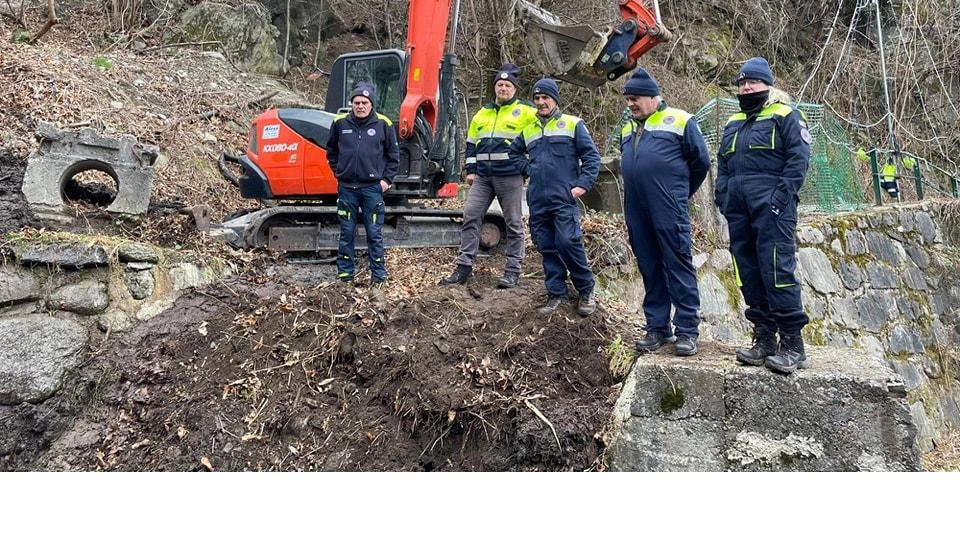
946, 456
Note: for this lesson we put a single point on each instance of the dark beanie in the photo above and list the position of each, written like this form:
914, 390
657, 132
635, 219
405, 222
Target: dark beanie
755, 68
641, 84
363, 89
508, 72
548, 87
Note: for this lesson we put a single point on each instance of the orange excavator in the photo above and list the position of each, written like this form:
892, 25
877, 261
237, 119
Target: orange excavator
285, 165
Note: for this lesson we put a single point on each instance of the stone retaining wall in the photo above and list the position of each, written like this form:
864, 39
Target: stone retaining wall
882, 282
55, 298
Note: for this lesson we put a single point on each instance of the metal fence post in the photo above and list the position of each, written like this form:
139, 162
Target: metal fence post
875, 168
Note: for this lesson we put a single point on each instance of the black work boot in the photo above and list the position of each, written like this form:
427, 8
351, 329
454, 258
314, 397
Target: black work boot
508, 281
764, 345
553, 303
653, 341
587, 304
686, 346
791, 356
459, 276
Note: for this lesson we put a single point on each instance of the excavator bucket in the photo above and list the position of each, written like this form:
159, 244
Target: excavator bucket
565, 52
585, 57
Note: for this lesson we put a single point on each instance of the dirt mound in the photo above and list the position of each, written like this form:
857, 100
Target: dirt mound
14, 212
255, 375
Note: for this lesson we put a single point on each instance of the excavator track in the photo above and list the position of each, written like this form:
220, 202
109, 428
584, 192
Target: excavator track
312, 233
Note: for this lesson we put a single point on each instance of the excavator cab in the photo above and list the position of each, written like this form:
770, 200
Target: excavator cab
422, 173
382, 69
583, 56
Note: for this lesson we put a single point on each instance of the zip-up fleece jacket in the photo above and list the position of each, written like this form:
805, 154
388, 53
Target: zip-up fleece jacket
562, 156
363, 151
491, 131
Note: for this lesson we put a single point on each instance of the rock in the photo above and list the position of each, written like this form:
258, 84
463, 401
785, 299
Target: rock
714, 305
139, 283
915, 279
809, 235
137, 252
882, 276
245, 33
69, 256
89, 297
928, 229
114, 321
875, 309
885, 249
904, 340
850, 274
924, 431
150, 310
35, 353
17, 286
817, 270
189, 275
721, 259
918, 255
855, 243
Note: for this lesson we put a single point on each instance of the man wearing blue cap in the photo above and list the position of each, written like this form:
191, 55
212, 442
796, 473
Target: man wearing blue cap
492, 173
562, 162
363, 154
664, 160
762, 161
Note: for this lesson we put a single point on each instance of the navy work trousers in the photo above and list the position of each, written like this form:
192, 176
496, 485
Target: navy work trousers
661, 243
764, 250
559, 239
352, 203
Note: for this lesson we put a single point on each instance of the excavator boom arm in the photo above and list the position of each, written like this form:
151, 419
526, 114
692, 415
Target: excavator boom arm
426, 32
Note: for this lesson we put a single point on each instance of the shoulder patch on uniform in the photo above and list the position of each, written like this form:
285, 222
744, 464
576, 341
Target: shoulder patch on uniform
669, 120
561, 124
805, 135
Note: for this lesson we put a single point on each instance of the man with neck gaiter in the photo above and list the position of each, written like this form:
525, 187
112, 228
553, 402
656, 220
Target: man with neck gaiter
761, 164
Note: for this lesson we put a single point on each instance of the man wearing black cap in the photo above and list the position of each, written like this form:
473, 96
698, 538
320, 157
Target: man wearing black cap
664, 161
562, 163
491, 173
363, 154
762, 161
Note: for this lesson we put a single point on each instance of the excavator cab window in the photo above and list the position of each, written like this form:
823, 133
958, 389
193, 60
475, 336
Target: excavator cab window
383, 69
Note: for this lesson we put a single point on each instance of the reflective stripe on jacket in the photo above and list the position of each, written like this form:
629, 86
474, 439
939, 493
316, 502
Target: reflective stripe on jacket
773, 145
665, 157
491, 131
561, 156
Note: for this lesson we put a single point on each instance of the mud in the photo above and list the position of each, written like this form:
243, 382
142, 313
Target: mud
15, 214
258, 374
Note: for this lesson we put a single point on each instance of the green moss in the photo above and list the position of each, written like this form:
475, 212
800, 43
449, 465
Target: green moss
815, 333
103, 63
671, 399
729, 281
21, 36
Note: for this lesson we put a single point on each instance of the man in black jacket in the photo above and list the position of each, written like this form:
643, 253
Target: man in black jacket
363, 154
